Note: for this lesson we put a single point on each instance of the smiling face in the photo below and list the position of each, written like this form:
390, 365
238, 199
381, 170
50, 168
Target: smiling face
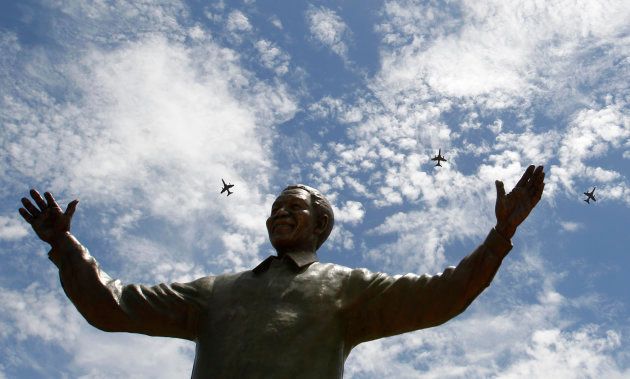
292, 225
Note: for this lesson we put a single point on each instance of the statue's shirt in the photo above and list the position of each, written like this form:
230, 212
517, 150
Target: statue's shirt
288, 318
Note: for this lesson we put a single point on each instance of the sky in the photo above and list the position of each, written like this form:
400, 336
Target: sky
140, 108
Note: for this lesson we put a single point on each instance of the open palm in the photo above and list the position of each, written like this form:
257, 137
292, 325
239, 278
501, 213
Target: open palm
513, 208
46, 218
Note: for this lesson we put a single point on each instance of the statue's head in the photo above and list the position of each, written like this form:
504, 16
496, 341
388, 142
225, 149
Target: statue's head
301, 220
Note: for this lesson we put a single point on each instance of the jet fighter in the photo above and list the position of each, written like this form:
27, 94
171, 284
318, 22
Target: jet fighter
226, 187
590, 196
439, 158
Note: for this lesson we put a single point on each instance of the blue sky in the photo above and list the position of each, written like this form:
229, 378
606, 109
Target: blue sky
140, 108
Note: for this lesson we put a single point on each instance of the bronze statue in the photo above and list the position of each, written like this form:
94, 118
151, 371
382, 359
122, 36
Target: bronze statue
291, 316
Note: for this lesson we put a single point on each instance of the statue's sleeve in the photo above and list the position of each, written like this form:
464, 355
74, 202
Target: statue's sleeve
169, 310
379, 305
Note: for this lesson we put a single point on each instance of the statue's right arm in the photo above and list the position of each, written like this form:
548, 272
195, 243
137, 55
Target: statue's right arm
169, 310
162, 310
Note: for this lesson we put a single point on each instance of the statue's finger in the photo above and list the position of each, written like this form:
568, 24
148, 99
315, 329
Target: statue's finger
30, 207
535, 180
537, 183
25, 215
539, 179
500, 189
38, 199
538, 174
51, 200
72, 206
526, 176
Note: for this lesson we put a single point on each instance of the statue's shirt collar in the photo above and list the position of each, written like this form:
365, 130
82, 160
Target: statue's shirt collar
298, 261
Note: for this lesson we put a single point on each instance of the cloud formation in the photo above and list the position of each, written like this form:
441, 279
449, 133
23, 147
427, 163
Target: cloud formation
329, 29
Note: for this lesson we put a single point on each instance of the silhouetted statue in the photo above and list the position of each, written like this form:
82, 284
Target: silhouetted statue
291, 316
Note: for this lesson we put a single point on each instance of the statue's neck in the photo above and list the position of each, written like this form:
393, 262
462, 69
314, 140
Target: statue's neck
297, 252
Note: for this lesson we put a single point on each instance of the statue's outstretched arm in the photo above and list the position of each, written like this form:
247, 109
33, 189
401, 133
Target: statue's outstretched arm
162, 310
379, 305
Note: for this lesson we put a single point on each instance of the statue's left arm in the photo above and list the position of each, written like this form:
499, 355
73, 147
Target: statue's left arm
170, 310
378, 305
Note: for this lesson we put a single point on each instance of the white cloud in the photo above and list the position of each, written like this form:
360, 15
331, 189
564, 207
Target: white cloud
619, 191
570, 226
329, 29
421, 237
532, 147
12, 229
336, 109
496, 126
351, 212
273, 57
238, 22
124, 20
499, 51
134, 356
551, 352
275, 21
592, 133
197, 33
339, 239
35, 314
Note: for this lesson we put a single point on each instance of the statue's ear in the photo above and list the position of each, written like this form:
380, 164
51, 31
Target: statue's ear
322, 223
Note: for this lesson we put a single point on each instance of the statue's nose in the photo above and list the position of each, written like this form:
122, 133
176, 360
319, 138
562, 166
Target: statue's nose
279, 212
282, 211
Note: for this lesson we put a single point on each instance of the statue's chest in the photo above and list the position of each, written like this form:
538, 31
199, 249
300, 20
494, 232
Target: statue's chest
277, 299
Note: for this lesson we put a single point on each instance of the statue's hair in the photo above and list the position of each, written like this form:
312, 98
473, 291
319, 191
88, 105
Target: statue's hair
321, 206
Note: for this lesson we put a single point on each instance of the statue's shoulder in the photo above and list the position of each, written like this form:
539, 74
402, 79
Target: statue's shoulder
208, 284
338, 267
203, 283
328, 269
329, 266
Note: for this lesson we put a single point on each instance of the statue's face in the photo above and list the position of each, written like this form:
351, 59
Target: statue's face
292, 222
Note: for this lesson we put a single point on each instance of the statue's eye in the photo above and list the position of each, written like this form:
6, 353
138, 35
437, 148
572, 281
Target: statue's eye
296, 207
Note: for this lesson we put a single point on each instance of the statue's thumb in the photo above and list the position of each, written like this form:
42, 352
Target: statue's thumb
72, 206
500, 188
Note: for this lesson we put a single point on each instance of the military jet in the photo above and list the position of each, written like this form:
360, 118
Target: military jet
226, 187
439, 158
590, 196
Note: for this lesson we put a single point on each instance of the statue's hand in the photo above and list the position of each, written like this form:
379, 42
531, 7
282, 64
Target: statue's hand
47, 219
512, 209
